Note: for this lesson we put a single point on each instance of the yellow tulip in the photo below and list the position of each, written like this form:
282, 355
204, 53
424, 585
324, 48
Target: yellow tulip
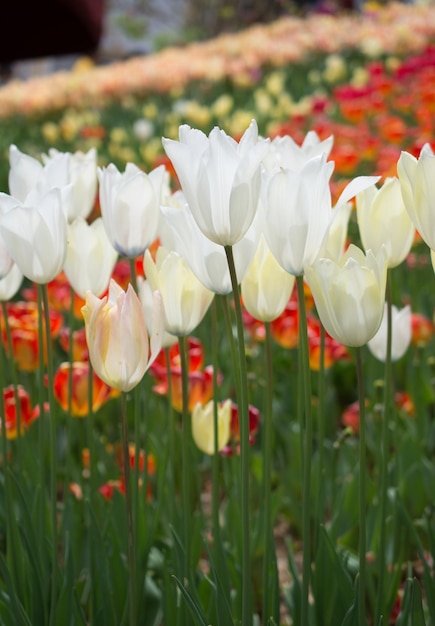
203, 426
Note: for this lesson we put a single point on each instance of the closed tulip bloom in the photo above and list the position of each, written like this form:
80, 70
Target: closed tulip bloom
220, 178
185, 299
130, 207
120, 350
297, 211
350, 294
203, 426
417, 182
206, 259
266, 286
383, 220
401, 333
90, 257
35, 236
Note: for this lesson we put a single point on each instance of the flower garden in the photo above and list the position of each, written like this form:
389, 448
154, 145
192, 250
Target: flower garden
217, 363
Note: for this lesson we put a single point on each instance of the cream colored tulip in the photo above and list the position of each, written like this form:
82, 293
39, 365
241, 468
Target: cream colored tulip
417, 181
203, 426
120, 350
266, 286
185, 299
383, 220
350, 294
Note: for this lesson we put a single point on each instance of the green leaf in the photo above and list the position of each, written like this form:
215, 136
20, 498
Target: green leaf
194, 608
20, 616
351, 618
412, 608
331, 602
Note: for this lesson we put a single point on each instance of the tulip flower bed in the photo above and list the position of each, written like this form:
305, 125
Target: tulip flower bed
217, 333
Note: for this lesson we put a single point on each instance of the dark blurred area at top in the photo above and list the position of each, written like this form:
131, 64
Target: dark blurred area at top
35, 29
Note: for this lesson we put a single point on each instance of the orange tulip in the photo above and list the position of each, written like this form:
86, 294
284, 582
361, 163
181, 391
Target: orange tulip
80, 385
200, 387
23, 322
27, 413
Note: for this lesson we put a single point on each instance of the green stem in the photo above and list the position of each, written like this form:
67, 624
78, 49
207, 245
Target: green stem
185, 443
388, 407
243, 407
267, 472
362, 493
53, 448
308, 445
129, 513
321, 434
215, 461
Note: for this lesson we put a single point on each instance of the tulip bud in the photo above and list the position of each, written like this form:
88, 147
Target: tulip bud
350, 294
203, 426
117, 336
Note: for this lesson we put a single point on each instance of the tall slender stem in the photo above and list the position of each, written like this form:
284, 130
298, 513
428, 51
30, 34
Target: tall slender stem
267, 471
244, 446
53, 448
321, 434
308, 445
362, 493
129, 513
185, 443
388, 395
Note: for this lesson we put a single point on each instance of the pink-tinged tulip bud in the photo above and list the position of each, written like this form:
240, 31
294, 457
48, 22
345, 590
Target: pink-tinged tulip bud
117, 336
203, 426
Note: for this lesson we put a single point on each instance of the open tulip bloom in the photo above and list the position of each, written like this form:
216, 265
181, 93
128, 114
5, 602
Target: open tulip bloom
119, 347
220, 178
350, 294
297, 211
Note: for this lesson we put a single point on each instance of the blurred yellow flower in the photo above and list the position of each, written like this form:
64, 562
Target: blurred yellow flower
222, 105
150, 110
50, 132
118, 135
275, 83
